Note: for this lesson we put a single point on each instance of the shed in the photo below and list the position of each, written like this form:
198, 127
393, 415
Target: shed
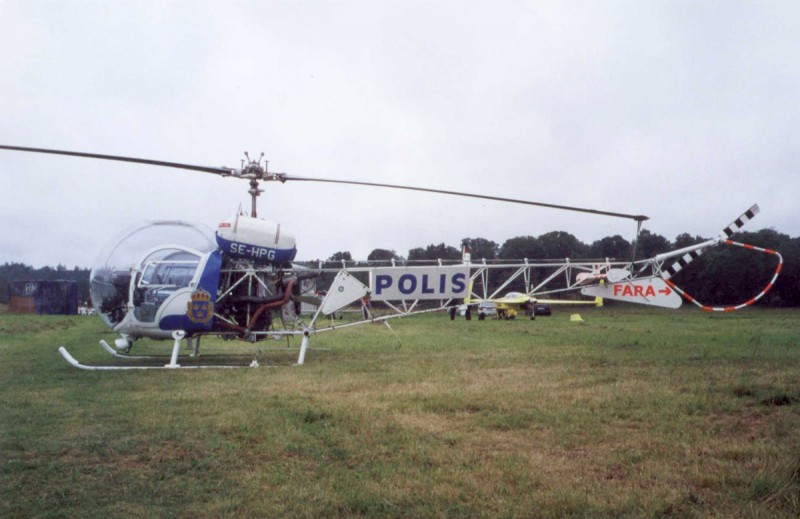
43, 297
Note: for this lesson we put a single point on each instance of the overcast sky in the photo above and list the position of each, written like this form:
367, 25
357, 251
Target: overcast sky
684, 111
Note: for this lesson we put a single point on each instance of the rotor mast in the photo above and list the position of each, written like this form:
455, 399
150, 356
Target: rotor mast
255, 171
255, 192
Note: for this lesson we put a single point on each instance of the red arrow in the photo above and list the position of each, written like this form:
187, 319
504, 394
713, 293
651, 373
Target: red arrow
666, 291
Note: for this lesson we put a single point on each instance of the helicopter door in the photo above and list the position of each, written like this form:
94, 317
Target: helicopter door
191, 309
159, 279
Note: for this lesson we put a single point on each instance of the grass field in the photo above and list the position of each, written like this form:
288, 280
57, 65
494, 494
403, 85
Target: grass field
639, 413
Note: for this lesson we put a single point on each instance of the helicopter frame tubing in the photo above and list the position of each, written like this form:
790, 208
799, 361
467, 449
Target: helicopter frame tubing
550, 272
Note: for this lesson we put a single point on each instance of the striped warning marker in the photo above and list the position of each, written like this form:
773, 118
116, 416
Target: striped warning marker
680, 263
746, 303
687, 258
739, 222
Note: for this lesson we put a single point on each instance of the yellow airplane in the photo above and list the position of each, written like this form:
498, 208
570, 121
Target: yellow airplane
513, 303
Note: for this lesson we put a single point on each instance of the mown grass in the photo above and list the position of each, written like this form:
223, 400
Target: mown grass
630, 413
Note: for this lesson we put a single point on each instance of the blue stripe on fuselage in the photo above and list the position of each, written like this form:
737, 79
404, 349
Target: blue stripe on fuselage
255, 253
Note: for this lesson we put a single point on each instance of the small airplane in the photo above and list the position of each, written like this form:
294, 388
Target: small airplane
176, 280
514, 304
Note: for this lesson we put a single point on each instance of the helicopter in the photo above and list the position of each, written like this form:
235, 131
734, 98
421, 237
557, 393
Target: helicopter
177, 280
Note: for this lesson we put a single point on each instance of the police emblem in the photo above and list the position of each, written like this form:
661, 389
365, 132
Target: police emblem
200, 308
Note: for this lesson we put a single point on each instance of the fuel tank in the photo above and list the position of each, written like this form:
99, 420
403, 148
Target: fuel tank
256, 240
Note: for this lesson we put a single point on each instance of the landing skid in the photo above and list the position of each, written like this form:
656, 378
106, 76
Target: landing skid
71, 360
173, 364
178, 336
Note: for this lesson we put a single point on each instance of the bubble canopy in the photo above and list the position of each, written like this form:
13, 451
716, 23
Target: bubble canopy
111, 272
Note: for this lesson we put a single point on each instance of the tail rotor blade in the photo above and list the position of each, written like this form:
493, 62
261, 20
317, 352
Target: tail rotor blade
726, 233
739, 222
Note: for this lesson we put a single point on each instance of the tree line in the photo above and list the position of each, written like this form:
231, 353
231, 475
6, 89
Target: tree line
721, 275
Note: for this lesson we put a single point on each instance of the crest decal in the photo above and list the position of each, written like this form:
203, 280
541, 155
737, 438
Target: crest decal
200, 308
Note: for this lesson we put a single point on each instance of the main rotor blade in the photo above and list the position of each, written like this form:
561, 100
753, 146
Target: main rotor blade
205, 169
638, 218
283, 177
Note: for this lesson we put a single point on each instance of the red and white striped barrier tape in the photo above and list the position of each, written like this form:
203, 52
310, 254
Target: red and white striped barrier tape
747, 303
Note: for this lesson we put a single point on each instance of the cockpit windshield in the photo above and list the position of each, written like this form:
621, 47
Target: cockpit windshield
169, 263
175, 270
160, 274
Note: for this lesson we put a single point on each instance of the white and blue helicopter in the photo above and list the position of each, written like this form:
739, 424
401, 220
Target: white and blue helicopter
174, 280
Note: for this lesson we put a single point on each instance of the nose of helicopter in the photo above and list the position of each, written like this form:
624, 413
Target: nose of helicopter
113, 269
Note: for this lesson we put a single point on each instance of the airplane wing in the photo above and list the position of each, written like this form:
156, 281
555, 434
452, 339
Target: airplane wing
598, 301
514, 300
522, 299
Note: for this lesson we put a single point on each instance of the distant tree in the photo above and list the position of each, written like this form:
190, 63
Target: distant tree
434, 252
342, 255
788, 286
612, 247
521, 247
560, 244
687, 240
417, 254
334, 262
649, 244
481, 248
382, 255
517, 248
752, 271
